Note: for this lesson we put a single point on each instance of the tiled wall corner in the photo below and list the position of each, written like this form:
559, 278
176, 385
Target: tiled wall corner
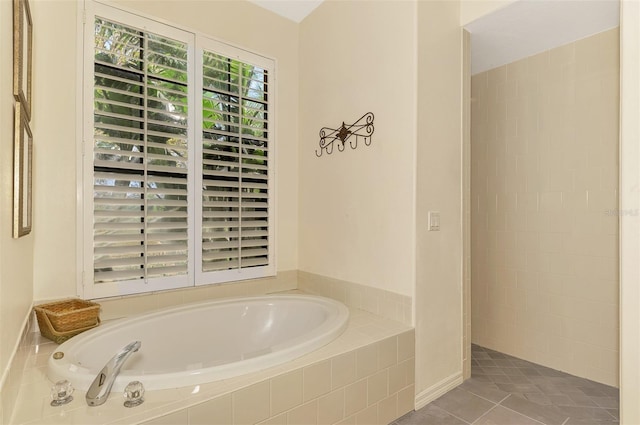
545, 213
371, 385
118, 307
377, 301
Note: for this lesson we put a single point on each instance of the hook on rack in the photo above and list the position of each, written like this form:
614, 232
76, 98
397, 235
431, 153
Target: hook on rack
361, 129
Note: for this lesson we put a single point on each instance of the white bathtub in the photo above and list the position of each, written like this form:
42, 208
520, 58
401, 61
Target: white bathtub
203, 342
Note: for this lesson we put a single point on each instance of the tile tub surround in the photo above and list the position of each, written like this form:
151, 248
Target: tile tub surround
380, 302
118, 307
510, 391
364, 376
387, 304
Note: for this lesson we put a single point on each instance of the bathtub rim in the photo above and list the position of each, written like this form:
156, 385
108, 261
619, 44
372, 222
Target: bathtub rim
82, 377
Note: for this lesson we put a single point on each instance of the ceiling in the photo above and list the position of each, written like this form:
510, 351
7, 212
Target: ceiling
522, 28
527, 27
295, 10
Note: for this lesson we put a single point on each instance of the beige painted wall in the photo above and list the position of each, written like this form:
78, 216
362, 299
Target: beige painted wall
55, 88
56, 74
16, 255
630, 222
439, 255
544, 221
357, 207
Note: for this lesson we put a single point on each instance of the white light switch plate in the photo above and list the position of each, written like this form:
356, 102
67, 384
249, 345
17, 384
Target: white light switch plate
434, 221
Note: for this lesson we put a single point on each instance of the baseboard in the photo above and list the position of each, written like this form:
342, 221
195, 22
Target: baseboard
436, 390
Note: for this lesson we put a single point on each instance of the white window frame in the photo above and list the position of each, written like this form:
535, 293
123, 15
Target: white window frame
196, 42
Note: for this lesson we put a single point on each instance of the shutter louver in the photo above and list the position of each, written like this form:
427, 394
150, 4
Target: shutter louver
235, 213
140, 155
176, 158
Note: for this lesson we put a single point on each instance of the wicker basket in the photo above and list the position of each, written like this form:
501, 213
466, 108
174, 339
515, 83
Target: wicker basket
61, 320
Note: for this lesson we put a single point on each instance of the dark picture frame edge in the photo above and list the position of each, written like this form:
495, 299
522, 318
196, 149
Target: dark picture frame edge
22, 173
22, 52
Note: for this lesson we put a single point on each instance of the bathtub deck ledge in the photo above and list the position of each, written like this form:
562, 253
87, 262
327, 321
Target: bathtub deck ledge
377, 351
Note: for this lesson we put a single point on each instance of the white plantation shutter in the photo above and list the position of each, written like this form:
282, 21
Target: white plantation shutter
141, 168
177, 158
236, 168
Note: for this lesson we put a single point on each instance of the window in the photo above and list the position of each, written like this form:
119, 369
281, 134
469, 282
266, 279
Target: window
235, 165
180, 171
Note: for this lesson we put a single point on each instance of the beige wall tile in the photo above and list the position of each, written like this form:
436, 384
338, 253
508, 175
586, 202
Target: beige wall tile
609, 316
180, 417
497, 76
355, 397
388, 409
397, 378
562, 55
316, 380
306, 414
351, 420
406, 345
123, 307
557, 147
367, 361
406, 400
199, 294
276, 420
369, 416
385, 303
387, 352
343, 369
252, 404
284, 281
167, 299
286, 391
377, 387
218, 411
410, 370
331, 407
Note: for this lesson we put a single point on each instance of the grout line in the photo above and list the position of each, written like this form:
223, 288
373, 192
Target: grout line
486, 399
522, 414
606, 410
506, 397
484, 414
568, 418
458, 417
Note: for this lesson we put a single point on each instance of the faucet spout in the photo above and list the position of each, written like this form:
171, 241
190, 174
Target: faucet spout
101, 387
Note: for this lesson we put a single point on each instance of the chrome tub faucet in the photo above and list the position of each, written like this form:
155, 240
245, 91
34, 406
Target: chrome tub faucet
99, 390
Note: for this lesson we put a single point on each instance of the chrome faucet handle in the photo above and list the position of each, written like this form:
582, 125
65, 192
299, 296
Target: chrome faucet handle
134, 394
61, 393
99, 390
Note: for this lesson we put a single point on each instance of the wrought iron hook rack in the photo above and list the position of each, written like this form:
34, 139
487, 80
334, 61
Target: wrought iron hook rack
361, 129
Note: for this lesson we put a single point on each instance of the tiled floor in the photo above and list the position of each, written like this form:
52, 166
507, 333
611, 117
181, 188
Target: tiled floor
504, 390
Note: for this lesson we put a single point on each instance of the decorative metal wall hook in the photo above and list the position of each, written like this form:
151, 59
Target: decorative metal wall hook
363, 128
